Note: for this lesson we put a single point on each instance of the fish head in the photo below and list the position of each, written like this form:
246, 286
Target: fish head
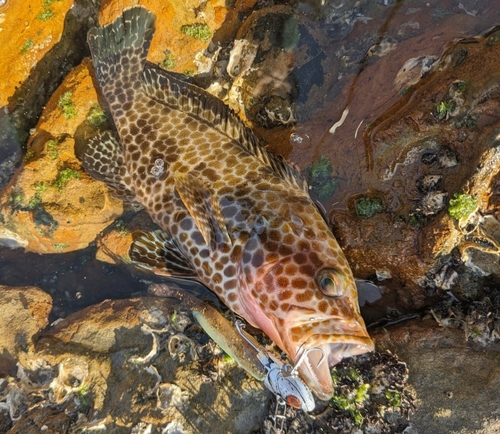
310, 300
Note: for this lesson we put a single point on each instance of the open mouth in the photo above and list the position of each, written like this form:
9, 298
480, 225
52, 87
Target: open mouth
314, 367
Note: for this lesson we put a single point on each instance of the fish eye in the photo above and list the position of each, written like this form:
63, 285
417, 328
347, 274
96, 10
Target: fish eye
330, 282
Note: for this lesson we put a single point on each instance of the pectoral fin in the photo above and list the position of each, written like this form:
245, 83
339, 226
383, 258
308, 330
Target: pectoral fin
203, 208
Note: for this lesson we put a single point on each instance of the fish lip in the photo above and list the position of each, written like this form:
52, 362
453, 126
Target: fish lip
318, 377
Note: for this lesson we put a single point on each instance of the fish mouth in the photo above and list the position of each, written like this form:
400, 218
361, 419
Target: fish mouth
324, 342
314, 366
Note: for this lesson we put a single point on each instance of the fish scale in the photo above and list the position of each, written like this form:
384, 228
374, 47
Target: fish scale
232, 216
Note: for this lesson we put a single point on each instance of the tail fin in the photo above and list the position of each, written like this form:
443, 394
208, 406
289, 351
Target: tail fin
119, 49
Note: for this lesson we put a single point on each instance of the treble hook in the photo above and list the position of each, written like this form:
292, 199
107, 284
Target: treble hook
240, 326
303, 355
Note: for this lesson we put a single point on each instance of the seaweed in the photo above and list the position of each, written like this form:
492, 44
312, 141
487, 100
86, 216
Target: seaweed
67, 105
64, 176
320, 178
198, 31
367, 207
462, 206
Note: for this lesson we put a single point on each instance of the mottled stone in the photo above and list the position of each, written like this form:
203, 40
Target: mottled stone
25, 312
52, 205
456, 381
121, 347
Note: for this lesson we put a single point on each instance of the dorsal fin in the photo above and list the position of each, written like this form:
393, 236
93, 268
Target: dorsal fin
180, 95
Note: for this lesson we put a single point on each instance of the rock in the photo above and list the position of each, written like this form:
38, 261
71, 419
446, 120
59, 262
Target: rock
114, 243
436, 147
10, 149
52, 205
456, 381
129, 365
287, 70
25, 312
175, 47
39, 50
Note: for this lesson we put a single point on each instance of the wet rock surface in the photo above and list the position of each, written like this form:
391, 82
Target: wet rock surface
126, 365
455, 379
25, 313
52, 205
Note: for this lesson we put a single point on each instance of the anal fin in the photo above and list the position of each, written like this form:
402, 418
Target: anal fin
103, 159
159, 253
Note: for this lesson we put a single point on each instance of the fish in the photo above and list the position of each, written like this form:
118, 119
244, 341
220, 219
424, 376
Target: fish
230, 215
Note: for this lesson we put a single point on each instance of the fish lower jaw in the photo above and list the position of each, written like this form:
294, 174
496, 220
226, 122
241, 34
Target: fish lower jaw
315, 367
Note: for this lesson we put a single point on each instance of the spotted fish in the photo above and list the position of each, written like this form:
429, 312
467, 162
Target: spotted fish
231, 215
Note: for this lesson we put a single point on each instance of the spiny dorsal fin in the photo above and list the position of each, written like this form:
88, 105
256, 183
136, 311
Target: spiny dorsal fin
103, 160
160, 254
203, 208
189, 98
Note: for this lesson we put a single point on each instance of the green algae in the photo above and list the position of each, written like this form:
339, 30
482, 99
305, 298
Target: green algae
29, 156
168, 61
462, 206
97, 117
66, 105
393, 398
197, 31
121, 228
350, 401
60, 246
367, 207
64, 176
52, 149
443, 109
36, 200
27, 46
320, 178
45, 15
16, 198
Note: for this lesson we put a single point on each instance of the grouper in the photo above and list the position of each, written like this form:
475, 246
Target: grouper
230, 214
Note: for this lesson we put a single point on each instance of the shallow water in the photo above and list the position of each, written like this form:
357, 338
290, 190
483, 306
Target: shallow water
362, 46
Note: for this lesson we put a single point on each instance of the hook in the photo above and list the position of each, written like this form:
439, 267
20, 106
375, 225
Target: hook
240, 326
303, 355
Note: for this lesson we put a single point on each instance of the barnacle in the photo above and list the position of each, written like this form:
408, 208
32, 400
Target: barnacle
72, 375
179, 345
170, 395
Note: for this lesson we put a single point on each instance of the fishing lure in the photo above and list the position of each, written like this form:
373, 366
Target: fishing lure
281, 378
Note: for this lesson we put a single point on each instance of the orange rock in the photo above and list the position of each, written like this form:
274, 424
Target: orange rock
114, 246
52, 205
25, 312
169, 42
27, 33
